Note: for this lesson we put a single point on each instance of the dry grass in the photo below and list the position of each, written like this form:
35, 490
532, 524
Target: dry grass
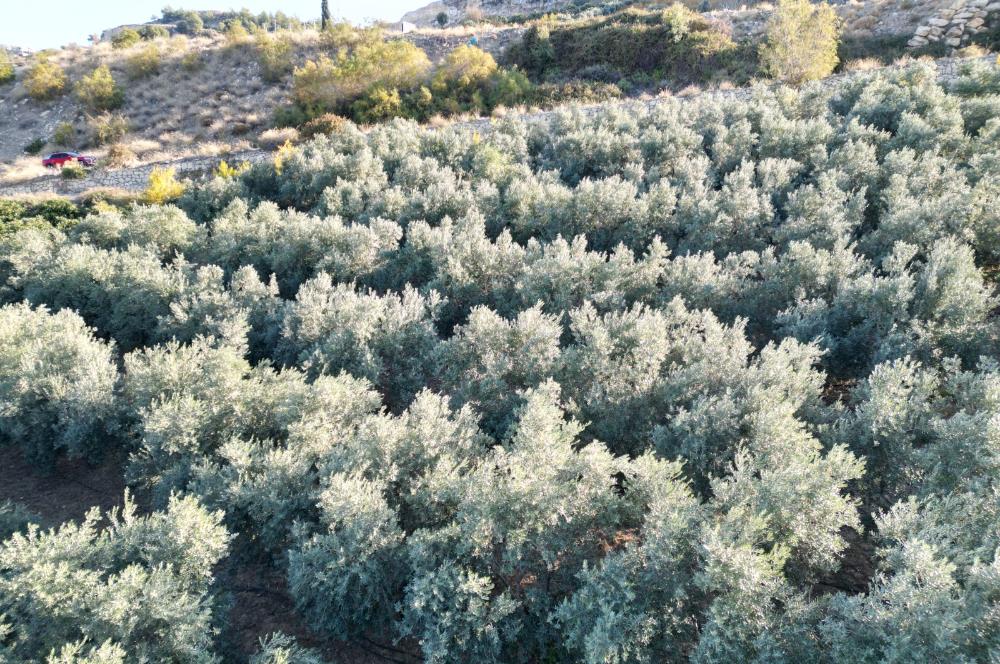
972, 51
24, 168
863, 64
273, 138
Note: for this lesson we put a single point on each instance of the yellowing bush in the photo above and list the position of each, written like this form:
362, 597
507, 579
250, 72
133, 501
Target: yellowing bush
163, 187
465, 66
801, 43
378, 105
227, 172
275, 56
6, 68
327, 83
45, 80
119, 156
98, 91
236, 34
282, 155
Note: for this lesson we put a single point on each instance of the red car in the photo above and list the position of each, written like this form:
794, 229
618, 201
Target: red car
60, 159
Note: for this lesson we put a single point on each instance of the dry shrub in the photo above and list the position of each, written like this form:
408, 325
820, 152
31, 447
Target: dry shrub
863, 64
144, 62
273, 138
192, 61
120, 156
971, 51
326, 124
108, 128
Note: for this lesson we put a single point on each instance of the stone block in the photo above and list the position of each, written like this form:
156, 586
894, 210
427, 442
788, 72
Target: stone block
953, 41
922, 31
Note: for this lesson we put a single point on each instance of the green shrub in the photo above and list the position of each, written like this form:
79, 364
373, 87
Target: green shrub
14, 518
11, 210
377, 105
73, 172
56, 211
629, 381
6, 68
236, 35
144, 62
126, 38
35, 146
98, 91
441, 19
280, 648
153, 32
187, 22
291, 115
45, 79
677, 18
676, 44
64, 136
802, 40
535, 53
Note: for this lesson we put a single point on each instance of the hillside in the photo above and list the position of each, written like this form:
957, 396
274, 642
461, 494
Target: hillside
206, 97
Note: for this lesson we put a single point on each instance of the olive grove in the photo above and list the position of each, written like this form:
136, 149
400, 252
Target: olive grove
628, 387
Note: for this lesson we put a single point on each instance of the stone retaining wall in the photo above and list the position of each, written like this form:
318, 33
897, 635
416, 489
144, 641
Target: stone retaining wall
956, 24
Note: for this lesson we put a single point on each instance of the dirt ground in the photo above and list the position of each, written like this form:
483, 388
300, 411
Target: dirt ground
66, 493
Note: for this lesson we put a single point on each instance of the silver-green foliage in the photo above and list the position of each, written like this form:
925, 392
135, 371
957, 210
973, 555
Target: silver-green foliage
138, 589
57, 384
617, 386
